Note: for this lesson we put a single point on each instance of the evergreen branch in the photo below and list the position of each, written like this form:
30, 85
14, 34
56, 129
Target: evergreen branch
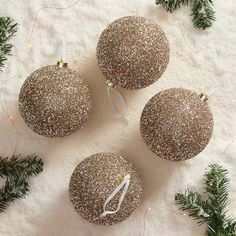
17, 170
171, 5
8, 29
230, 226
13, 189
216, 184
202, 13
202, 10
211, 211
23, 167
194, 205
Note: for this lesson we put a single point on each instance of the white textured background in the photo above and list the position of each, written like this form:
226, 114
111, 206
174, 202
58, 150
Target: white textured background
198, 59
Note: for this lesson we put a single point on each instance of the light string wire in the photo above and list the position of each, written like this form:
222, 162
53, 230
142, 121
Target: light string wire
194, 51
148, 212
43, 8
9, 117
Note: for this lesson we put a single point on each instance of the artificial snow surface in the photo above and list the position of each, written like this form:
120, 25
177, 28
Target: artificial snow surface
198, 60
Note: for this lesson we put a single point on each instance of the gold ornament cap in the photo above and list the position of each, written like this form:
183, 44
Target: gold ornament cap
203, 97
62, 64
110, 84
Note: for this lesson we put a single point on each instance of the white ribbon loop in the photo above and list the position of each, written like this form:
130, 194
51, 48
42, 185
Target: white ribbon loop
113, 94
125, 183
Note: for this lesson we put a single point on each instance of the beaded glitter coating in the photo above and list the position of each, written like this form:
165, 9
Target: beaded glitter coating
94, 179
133, 52
54, 101
176, 124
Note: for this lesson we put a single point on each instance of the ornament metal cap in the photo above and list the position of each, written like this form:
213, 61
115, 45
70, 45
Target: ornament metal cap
62, 64
110, 84
203, 97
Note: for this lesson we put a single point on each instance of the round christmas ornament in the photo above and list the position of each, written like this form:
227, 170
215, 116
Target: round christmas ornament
132, 52
105, 189
177, 124
54, 101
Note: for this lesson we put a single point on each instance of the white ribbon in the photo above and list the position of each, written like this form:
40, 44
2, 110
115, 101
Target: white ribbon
208, 92
123, 112
211, 89
125, 183
62, 49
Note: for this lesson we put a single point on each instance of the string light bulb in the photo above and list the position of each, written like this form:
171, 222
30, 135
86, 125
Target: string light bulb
30, 45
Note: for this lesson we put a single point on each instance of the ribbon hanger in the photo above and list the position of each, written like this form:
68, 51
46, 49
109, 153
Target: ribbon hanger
113, 97
125, 183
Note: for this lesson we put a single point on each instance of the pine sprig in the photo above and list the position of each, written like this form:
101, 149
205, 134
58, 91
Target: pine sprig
213, 210
8, 29
172, 5
17, 166
197, 207
16, 170
12, 190
202, 14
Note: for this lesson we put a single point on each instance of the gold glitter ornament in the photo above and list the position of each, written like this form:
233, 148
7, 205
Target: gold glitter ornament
94, 181
176, 124
54, 101
133, 52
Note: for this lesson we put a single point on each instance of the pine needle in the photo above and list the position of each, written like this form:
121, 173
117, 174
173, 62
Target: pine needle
8, 29
202, 14
16, 170
213, 210
172, 5
13, 189
17, 166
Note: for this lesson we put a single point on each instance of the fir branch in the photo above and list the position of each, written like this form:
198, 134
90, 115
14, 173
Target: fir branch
17, 166
216, 184
13, 189
171, 5
211, 211
17, 170
202, 10
8, 29
202, 13
195, 205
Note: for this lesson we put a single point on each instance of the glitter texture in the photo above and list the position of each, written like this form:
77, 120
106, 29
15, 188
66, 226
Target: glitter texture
95, 179
133, 52
54, 101
176, 124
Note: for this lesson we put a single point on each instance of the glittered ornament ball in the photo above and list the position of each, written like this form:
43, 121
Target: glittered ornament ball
54, 101
105, 189
176, 124
133, 52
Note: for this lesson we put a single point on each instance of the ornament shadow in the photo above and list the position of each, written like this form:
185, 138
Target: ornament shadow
61, 219
58, 219
97, 83
101, 113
